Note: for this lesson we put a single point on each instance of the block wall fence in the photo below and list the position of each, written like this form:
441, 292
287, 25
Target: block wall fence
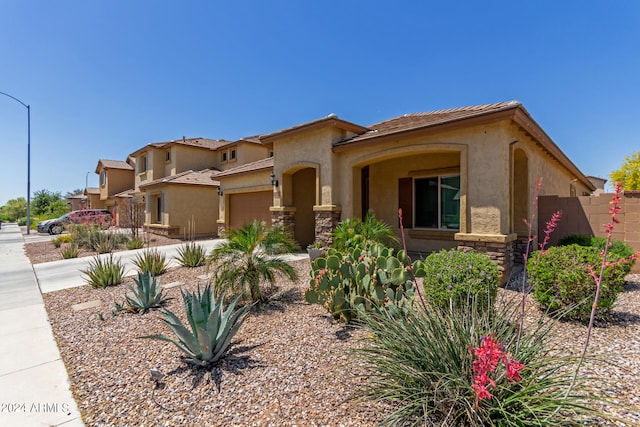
587, 215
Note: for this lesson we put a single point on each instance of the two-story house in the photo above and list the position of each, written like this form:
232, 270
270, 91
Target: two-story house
176, 181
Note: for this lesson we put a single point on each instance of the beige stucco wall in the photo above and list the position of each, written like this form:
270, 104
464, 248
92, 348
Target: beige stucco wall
186, 206
184, 158
311, 149
246, 152
118, 180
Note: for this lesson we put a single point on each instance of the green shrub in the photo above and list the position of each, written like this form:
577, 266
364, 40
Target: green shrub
419, 364
451, 277
104, 272
575, 239
135, 243
147, 294
347, 284
191, 254
58, 241
212, 327
353, 232
561, 280
618, 248
151, 261
70, 251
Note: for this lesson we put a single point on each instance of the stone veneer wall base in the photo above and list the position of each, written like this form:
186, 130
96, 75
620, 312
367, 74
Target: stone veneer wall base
500, 253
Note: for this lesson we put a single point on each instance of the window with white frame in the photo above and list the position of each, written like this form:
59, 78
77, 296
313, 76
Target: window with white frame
437, 202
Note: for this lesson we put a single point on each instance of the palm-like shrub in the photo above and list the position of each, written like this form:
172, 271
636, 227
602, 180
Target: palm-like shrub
421, 364
104, 272
191, 254
151, 261
353, 232
146, 294
211, 327
241, 263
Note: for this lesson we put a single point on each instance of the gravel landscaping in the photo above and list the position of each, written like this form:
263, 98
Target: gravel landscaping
289, 365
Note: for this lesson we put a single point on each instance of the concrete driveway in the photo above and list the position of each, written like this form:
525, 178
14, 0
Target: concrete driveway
67, 273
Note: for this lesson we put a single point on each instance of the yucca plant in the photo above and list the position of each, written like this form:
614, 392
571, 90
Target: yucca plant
104, 272
421, 363
211, 326
151, 261
191, 254
135, 243
147, 293
70, 251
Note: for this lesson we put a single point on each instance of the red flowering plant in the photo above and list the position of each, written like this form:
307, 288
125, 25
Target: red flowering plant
468, 365
486, 360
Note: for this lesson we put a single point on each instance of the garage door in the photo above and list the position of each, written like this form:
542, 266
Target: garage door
244, 208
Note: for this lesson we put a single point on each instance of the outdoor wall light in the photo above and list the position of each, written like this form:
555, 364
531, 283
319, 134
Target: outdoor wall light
274, 181
220, 193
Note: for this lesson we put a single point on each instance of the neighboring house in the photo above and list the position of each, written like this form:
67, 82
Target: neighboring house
599, 183
175, 180
77, 202
464, 177
182, 205
93, 198
115, 178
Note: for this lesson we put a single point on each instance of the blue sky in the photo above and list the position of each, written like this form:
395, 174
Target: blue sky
105, 78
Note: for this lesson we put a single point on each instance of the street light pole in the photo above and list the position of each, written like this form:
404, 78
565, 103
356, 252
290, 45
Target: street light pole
28, 158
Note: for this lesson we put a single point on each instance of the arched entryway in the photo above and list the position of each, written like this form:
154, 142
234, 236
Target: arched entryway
520, 201
304, 197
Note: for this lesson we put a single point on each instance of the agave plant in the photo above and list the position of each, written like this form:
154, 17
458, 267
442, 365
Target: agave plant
147, 294
212, 327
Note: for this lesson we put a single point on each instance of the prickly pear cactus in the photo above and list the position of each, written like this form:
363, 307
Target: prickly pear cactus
360, 281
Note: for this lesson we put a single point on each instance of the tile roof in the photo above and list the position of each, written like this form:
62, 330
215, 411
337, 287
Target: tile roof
248, 167
126, 193
211, 144
414, 121
331, 120
92, 190
114, 164
189, 177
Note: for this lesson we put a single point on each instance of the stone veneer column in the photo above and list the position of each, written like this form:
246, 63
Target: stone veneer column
222, 228
500, 252
327, 217
519, 249
284, 216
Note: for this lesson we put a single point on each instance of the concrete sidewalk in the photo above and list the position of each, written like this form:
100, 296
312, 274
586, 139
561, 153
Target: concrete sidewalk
34, 384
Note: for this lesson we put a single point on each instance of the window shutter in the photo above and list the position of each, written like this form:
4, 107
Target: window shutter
405, 201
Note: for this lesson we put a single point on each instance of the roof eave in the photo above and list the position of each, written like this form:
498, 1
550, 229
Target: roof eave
329, 121
452, 124
523, 119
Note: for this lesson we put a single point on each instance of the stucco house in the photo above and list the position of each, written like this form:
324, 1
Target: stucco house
115, 177
463, 177
175, 180
93, 199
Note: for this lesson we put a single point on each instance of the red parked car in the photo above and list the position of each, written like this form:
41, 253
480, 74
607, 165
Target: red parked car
100, 217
